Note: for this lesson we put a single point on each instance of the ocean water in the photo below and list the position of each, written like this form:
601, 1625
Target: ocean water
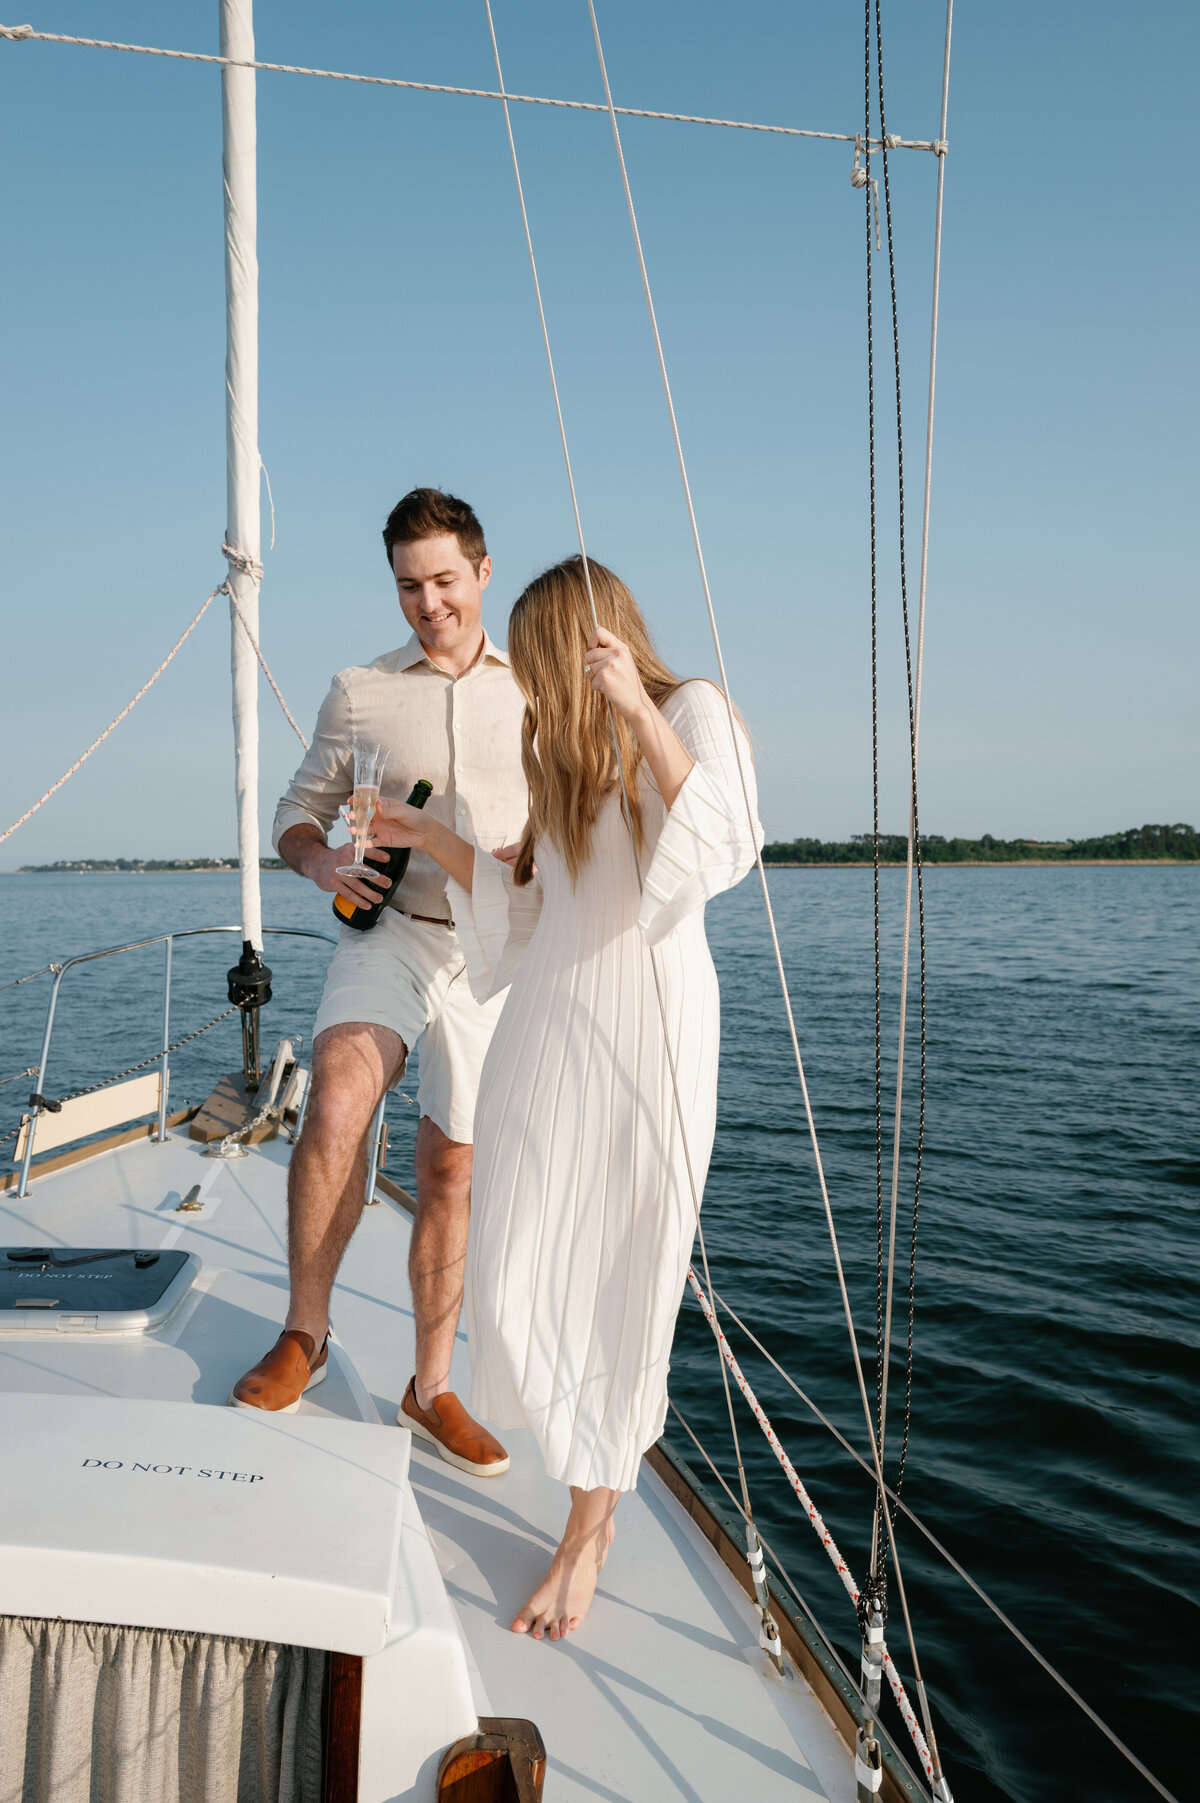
1054, 1444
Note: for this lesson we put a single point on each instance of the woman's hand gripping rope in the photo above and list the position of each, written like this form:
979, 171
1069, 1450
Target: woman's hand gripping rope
613, 673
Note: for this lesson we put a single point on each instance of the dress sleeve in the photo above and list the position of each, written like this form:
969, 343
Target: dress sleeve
495, 922
707, 842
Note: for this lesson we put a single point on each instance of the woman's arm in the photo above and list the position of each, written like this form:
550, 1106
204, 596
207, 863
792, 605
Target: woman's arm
614, 675
395, 823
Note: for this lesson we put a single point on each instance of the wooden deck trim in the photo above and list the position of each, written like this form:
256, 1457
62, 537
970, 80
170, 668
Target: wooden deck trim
43, 1167
812, 1660
343, 1727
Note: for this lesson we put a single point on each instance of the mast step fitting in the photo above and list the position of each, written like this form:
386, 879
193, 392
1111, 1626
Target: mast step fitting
249, 980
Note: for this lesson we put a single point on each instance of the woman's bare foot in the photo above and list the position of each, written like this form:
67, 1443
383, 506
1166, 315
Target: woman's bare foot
561, 1601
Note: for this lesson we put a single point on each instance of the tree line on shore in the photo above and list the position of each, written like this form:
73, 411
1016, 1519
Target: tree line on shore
1180, 843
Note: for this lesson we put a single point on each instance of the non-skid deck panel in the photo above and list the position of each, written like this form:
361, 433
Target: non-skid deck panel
662, 1696
230, 1318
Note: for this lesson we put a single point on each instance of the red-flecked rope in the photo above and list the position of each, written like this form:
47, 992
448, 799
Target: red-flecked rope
814, 1515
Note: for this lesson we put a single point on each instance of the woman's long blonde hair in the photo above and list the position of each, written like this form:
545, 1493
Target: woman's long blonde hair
566, 741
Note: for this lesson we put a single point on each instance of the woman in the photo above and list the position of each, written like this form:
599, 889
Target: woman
582, 1212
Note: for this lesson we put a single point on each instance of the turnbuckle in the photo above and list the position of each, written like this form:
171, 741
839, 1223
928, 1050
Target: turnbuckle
768, 1633
872, 1658
868, 1766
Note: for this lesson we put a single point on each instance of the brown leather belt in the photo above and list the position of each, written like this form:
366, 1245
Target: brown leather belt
430, 920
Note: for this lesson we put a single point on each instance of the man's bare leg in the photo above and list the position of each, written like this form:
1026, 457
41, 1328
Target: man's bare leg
561, 1601
352, 1066
437, 1253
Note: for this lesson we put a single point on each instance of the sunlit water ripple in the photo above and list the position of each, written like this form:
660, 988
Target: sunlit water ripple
1054, 1447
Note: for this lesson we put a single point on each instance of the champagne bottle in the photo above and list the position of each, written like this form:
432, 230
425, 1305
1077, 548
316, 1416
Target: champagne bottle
363, 918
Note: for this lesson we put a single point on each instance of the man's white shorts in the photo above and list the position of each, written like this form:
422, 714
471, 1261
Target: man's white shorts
410, 975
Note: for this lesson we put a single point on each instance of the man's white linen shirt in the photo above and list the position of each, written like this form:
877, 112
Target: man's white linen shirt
462, 734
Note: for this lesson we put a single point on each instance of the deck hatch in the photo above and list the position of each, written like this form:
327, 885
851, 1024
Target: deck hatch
98, 1289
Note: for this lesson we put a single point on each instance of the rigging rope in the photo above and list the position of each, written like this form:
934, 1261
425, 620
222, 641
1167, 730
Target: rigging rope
781, 1568
769, 1633
241, 560
128, 708
24, 33
913, 849
914, 852
944, 1552
814, 1515
874, 1612
875, 1573
858, 1368
238, 560
43, 972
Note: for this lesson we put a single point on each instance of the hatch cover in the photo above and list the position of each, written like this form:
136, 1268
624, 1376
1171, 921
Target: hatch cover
99, 1289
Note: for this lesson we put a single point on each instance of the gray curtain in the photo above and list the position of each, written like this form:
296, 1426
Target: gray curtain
94, 1714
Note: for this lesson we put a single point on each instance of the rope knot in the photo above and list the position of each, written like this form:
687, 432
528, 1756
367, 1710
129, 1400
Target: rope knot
242, 560
16, 32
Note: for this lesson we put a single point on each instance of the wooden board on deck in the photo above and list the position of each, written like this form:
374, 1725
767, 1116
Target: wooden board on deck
229, 1107
79, 1116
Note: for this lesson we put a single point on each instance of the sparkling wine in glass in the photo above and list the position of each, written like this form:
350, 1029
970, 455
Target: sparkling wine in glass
369, 761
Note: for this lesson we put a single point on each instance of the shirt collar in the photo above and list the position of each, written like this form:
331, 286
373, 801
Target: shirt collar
414, 653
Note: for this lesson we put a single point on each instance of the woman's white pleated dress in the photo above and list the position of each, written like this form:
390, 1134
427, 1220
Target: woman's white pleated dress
582, 1217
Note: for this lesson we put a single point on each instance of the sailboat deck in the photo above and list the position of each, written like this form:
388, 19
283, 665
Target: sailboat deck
663, 1695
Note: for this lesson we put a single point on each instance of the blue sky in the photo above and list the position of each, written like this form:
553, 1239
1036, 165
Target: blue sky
400, 345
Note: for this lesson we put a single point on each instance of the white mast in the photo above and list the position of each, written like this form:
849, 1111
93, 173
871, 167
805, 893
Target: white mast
239, 160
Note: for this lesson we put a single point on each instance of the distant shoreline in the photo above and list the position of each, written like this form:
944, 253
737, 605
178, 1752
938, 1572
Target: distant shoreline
82, 868
277, 867
981, 864
1149, 844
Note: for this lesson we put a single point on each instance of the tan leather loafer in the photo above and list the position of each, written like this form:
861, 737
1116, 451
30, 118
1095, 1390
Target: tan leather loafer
279, 1381
460, 1440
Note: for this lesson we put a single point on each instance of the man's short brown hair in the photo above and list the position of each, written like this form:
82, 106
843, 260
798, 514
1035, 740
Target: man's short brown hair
426, 512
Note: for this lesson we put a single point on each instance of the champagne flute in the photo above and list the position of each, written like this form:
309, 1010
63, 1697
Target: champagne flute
369, 761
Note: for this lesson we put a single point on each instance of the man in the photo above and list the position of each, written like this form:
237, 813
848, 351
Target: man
445, 707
